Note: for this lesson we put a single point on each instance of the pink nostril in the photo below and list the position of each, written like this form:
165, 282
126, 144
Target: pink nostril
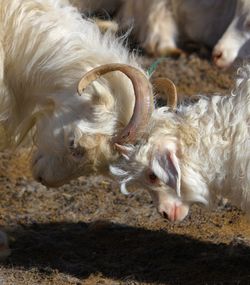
217, 55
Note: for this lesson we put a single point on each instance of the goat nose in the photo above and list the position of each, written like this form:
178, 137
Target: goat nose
164, 214
217, 54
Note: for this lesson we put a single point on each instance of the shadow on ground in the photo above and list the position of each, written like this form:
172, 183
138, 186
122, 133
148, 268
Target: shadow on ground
123, 253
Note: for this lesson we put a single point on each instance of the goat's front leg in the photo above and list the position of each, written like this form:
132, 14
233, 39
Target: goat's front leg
153, 25
159, 37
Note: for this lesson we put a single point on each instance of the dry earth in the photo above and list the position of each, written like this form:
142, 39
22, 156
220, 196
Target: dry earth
89, 233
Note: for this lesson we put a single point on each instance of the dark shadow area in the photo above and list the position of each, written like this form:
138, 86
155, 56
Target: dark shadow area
190, 48
127, 253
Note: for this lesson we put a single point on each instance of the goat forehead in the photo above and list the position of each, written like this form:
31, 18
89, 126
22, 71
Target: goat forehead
69, 115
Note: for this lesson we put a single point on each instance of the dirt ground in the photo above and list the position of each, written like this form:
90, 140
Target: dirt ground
89, 233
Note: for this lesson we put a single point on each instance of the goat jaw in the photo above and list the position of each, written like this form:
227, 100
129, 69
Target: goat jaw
143, 99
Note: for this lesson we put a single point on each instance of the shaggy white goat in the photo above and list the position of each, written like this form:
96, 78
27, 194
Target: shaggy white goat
195, 153
45, 49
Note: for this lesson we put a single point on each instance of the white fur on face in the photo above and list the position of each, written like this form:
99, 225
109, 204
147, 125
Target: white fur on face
57, 133
158, 174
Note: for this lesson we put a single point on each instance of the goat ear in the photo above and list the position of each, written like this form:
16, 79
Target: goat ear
125, 151
166, 166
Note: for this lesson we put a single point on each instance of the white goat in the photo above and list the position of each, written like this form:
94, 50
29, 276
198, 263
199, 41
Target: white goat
195, 153
45, 48
160, 24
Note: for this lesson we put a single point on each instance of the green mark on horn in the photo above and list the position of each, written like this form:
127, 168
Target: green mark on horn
154, 65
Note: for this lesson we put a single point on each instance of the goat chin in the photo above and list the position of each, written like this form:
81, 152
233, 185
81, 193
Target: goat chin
206, 145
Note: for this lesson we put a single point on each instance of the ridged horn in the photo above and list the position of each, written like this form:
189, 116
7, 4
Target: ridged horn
168, 88
144, 104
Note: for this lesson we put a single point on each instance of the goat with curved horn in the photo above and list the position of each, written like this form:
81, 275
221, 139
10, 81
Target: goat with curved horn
143, 99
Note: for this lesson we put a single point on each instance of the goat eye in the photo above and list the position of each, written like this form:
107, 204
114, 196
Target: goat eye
76, 152
152, 177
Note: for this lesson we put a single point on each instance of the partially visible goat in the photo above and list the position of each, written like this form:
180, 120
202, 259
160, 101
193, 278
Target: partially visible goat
195, 153
45, 49
235, 41
159, 25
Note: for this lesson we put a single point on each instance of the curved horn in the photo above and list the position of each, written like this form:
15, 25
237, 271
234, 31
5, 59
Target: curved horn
143, 107
168, 88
